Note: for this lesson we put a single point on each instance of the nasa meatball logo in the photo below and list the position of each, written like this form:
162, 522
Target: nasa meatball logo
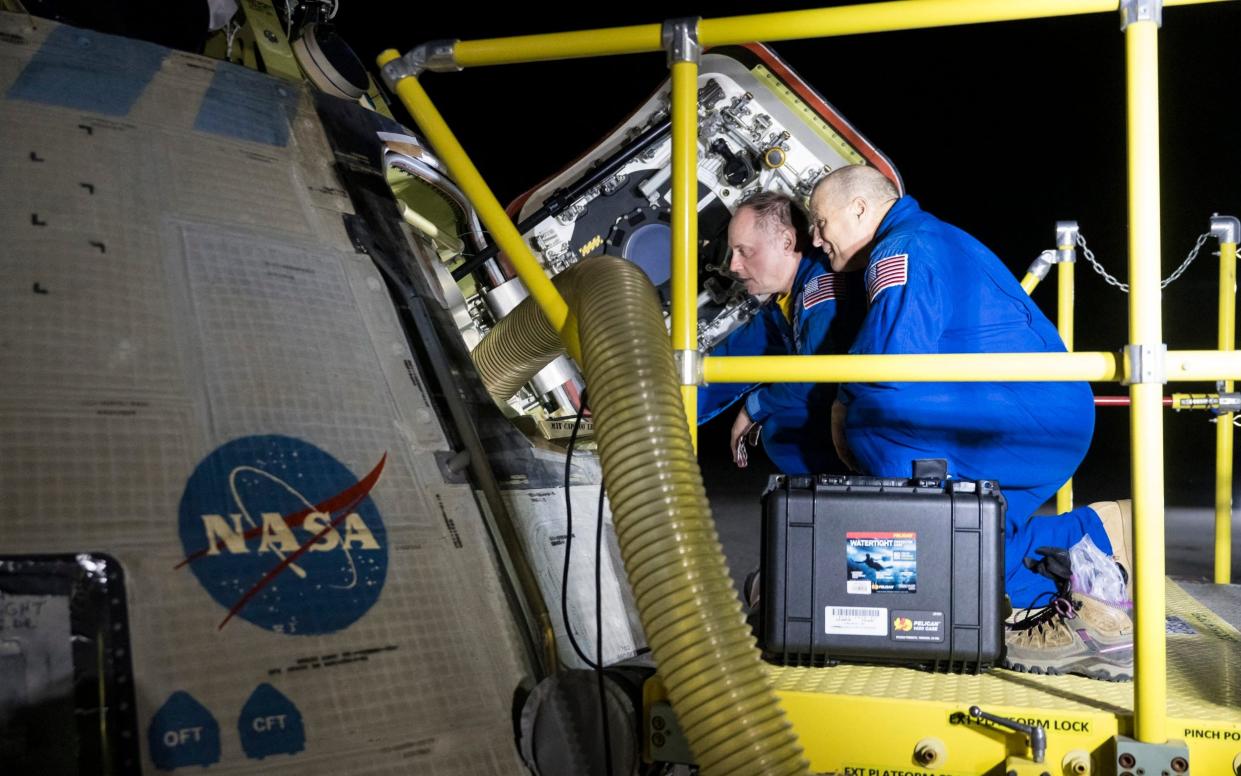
283, 535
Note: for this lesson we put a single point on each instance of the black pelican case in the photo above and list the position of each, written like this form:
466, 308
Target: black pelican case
879, 570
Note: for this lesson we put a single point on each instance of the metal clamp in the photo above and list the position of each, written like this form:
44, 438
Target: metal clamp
1141, 11
1228, 402
1226, 229
679, 38
1144, 364
1066, 241
1042, 264
689, 366
438, 56
1036, 733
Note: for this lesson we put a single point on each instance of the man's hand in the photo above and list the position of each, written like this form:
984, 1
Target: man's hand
838, 437
743, 426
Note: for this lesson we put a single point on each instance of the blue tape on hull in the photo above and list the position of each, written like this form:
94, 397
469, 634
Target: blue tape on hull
246, 105
88, 71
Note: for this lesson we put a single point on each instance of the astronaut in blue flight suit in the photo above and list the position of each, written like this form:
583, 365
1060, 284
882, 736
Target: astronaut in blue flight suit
932, 288
811, 310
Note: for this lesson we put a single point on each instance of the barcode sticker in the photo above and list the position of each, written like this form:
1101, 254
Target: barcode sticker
856, 621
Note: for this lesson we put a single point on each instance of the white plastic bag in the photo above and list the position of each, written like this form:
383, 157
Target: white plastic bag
1096, 574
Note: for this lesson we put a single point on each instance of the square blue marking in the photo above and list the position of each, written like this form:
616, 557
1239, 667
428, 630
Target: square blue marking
246, 105
88, 71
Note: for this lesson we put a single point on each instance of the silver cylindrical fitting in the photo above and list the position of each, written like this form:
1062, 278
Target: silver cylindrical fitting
503, 298
1066, 241
554, 375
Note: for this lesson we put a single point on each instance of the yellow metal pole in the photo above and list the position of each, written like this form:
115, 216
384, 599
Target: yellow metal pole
1065, 248
787, 25
680, 36
1199, 365
1146, 394
1182, 365
560, 45
1030, 282
1223, 425
966, 367
432, 124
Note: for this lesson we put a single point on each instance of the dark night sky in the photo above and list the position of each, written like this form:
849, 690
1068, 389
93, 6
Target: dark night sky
1001, 129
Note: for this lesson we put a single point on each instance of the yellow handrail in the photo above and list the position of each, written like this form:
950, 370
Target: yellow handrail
1182, 366
785, 25
966, 367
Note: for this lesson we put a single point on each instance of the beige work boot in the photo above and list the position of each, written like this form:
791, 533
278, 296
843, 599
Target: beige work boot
1073, 634
1076, 634
1117, 519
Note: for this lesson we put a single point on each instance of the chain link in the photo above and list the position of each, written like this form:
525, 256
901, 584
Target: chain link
1111, 280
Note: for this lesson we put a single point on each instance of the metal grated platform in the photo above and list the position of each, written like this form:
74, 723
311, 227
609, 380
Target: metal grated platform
867, 719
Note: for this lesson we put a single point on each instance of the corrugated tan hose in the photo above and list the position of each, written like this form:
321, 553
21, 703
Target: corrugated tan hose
703, 648
522, 342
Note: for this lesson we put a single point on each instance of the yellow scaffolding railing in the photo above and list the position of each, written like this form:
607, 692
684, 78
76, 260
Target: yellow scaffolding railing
770, 27
684, 62
1066, 247
1145, 366
1225, 229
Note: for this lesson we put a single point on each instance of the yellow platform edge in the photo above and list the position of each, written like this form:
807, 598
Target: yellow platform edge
868, 720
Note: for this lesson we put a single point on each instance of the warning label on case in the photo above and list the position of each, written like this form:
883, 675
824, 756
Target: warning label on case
855, 621
881, 562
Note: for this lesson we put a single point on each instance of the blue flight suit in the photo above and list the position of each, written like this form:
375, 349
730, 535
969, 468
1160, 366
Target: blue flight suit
827, 307
932, 288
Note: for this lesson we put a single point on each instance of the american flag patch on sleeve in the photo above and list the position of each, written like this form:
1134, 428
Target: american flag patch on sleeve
886, 273
818, 289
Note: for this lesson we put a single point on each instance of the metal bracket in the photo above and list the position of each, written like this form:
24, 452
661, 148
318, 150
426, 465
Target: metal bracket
1144, 364
668, 744
1226, 229
679, 38
1066, 241
438, 56
1141, 11
689, 366
1134, 757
